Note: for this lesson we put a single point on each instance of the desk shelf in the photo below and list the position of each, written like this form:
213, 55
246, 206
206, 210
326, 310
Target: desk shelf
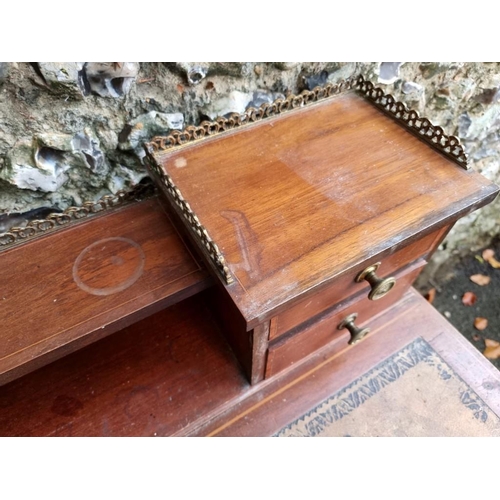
70, 288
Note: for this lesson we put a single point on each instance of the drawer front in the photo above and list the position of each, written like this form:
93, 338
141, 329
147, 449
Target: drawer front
345, 286
288, 350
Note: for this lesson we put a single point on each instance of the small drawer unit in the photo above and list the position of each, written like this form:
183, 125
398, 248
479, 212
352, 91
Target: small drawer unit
311, 209
328, 329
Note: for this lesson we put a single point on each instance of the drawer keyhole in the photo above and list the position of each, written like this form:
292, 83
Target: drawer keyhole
380, 287
356, 333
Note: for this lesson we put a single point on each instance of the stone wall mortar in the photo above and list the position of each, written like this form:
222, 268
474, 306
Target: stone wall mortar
71, 132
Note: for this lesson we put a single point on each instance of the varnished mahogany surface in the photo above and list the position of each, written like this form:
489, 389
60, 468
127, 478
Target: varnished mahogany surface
153, 378
67, 289
297, 200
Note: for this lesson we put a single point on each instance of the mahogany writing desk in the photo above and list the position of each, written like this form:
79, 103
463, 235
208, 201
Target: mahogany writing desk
299, 228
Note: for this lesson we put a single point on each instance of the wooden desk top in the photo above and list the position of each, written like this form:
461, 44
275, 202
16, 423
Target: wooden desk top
297, 200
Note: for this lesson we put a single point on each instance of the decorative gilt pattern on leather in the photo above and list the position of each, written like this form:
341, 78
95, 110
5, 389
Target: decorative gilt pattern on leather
72, 214
194, 224
422, 127
251, 115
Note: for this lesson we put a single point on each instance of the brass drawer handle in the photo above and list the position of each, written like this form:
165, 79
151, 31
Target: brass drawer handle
356, 333
380, 287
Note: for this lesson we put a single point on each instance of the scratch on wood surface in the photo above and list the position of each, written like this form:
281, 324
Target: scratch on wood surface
246, 238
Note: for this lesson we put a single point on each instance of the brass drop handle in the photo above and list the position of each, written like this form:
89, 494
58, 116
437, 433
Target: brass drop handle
380, 287
356, 333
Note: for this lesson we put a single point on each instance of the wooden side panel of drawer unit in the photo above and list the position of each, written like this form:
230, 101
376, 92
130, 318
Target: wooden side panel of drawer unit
292, 348
345, 286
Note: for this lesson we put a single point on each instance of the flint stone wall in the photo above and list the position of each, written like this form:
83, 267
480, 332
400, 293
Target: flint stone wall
72, 132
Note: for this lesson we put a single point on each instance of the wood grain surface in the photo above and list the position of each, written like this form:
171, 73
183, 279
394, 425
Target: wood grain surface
65, 290
152, 378
298, 200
